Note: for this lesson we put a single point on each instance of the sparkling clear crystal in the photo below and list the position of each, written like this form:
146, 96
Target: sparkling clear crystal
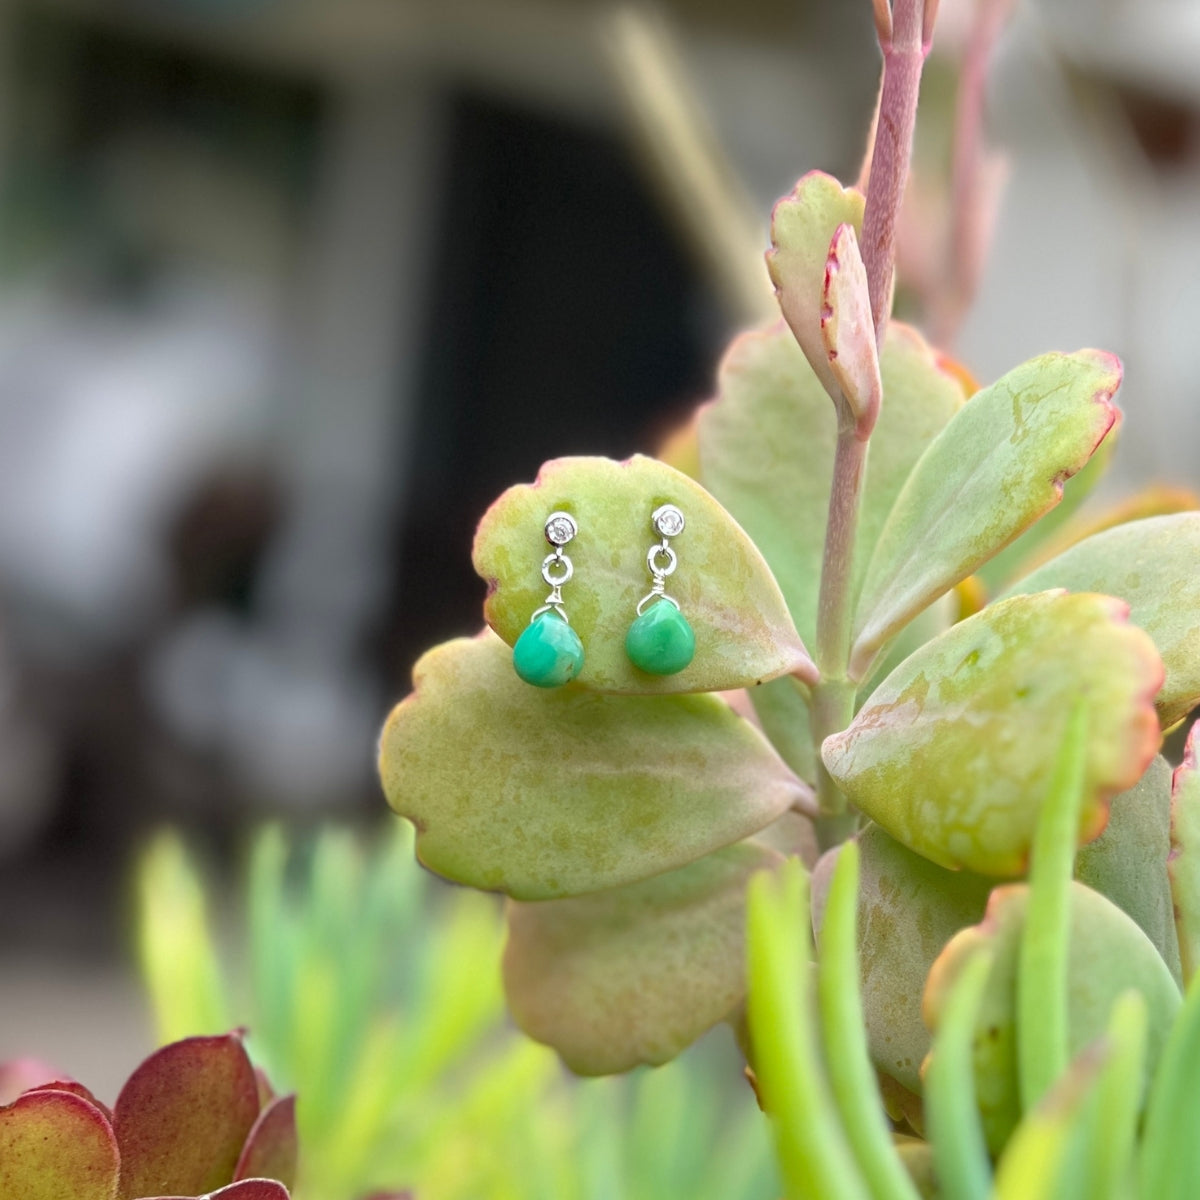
668, 520
560, 528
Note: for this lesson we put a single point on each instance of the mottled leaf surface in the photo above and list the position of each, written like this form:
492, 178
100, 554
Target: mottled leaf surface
1128, 861
744, 634
183, 1116
1154, 566
1184, 862
952, 753
767, 444
635, 974
995, 468
272, 1147
543, 794
55, 1145
802, 227
1108, 955
1023, 552
908, 909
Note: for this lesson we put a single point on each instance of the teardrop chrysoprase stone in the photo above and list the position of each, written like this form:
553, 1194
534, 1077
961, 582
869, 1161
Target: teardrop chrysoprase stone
660, 641
549, 652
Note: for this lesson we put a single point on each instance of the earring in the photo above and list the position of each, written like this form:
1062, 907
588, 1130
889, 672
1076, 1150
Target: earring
660, 641
549, 652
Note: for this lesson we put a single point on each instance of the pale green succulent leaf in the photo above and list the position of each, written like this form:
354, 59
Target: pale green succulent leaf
908, 909
546, 794
851, 1078
952, 753
782, 709
767, 445
637, 973
1017, 557
1108, 955
723, 586
803, 225
994, 470
1128, 861
1153, 566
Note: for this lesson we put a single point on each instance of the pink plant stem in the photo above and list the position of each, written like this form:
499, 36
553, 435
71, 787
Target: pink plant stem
905, 41
969, 210
833, 696
833, 605
905, 31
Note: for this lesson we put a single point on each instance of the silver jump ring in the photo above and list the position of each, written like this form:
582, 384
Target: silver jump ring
565, 565
661, 551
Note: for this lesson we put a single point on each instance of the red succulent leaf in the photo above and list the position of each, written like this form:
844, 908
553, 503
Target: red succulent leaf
75, 1089
183, 1117
248, 1189
266, 1093
54, 1145
272, 1148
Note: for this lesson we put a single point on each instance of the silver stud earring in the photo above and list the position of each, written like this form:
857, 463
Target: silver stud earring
660, 641
549, 652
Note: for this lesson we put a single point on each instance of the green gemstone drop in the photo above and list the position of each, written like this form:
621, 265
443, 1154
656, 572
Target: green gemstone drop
549, 652
660, 641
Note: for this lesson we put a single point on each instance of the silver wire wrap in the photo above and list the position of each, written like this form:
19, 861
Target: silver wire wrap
557, 568
659, 572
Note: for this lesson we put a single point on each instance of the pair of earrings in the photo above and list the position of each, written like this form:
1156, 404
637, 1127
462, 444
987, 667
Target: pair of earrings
660, 641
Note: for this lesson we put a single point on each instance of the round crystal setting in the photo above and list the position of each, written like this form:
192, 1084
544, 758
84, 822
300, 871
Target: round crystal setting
668, 520
560, 528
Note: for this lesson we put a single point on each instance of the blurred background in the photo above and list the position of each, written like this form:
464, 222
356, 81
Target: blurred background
291, 289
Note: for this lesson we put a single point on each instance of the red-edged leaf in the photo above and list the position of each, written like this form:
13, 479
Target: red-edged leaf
182, 1119
55, 1146
247, 1189
848, 330
75, 1089
272, 1148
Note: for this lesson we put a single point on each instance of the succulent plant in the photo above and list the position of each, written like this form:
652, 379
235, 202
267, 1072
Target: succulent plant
194, 1120
374, 990
852, 491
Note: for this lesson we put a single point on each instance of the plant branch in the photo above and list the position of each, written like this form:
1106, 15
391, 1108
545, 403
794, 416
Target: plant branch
905, 41
833, 695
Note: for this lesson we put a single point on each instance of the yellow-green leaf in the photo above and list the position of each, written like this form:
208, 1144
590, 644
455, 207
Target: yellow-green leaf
908, 909
633, 974
767, 444
802, 228
743, 632
544, 794
1154, 566
952, 753
1108, 955
996, 467
54, 1145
